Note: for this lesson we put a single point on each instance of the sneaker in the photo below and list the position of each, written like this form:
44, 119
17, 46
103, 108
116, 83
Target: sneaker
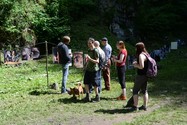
142, 108
96, 99
121, 97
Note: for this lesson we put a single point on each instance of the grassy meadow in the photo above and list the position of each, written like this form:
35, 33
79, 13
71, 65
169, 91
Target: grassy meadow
25, 98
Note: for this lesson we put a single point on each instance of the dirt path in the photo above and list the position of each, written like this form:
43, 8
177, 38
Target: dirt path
117, 116
109, 116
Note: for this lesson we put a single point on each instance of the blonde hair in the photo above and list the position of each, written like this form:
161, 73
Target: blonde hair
66, 39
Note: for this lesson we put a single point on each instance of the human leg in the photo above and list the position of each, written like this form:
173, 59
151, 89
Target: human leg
100, 81
121, 77
96, 85
65, 73
106, 77
87, 86
144, 91
97, 97
145, 100
136, 90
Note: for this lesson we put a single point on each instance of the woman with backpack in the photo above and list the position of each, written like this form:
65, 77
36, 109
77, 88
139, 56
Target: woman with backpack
140, 84
121, 68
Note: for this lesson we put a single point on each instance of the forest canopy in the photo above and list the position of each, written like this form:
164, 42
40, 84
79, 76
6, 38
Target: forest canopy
29, 21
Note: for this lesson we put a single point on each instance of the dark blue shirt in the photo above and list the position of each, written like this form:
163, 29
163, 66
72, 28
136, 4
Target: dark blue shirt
63, 52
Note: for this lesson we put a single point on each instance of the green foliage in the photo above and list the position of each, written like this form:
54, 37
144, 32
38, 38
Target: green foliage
78, 9
49, 19
41, 18
156, 19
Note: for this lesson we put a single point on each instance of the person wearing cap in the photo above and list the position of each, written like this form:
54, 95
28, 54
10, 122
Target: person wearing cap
65, 60
106, 71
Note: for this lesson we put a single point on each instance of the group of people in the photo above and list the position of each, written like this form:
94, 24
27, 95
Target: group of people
26, 53
11, 56
93, 70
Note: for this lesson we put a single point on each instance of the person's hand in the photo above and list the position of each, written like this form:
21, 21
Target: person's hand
114, 59
135, 63
88, 57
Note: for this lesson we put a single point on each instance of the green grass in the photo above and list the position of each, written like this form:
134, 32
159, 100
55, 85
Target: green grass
25, 98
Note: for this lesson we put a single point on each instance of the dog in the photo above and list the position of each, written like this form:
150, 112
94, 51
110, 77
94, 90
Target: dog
77, 91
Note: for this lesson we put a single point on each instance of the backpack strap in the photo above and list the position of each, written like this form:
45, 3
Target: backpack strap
147, 55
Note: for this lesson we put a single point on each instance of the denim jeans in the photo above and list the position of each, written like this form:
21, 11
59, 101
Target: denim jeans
97, 80
65, 72
100, 81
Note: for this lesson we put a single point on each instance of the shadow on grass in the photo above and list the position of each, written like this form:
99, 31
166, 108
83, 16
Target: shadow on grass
108, 99
38, 92
70, 100
115, 111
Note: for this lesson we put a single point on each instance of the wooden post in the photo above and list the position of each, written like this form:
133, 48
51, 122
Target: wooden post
47, 63
0, 57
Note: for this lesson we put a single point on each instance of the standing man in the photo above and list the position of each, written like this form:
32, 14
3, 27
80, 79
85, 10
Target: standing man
91, 76
106, 71
102, 56
64, 59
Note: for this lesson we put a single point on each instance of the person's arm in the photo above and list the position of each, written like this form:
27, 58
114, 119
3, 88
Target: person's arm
67, 54
140, 65
109, 52
122, 56
94, 60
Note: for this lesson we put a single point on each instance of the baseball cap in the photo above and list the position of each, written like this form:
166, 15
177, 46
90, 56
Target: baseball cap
104, 39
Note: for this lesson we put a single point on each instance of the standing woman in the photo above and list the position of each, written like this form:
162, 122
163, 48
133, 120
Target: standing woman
121, 67
141, 79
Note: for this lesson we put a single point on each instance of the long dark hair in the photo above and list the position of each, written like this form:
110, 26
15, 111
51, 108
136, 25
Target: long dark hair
140, 47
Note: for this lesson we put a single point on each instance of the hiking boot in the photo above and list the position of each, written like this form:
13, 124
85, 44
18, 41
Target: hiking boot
142, 108
96, 99
87, 98
121, 97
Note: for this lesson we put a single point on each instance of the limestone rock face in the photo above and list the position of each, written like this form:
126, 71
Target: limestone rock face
122, 14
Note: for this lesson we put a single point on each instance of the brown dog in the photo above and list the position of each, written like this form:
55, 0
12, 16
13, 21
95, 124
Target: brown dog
78, 90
